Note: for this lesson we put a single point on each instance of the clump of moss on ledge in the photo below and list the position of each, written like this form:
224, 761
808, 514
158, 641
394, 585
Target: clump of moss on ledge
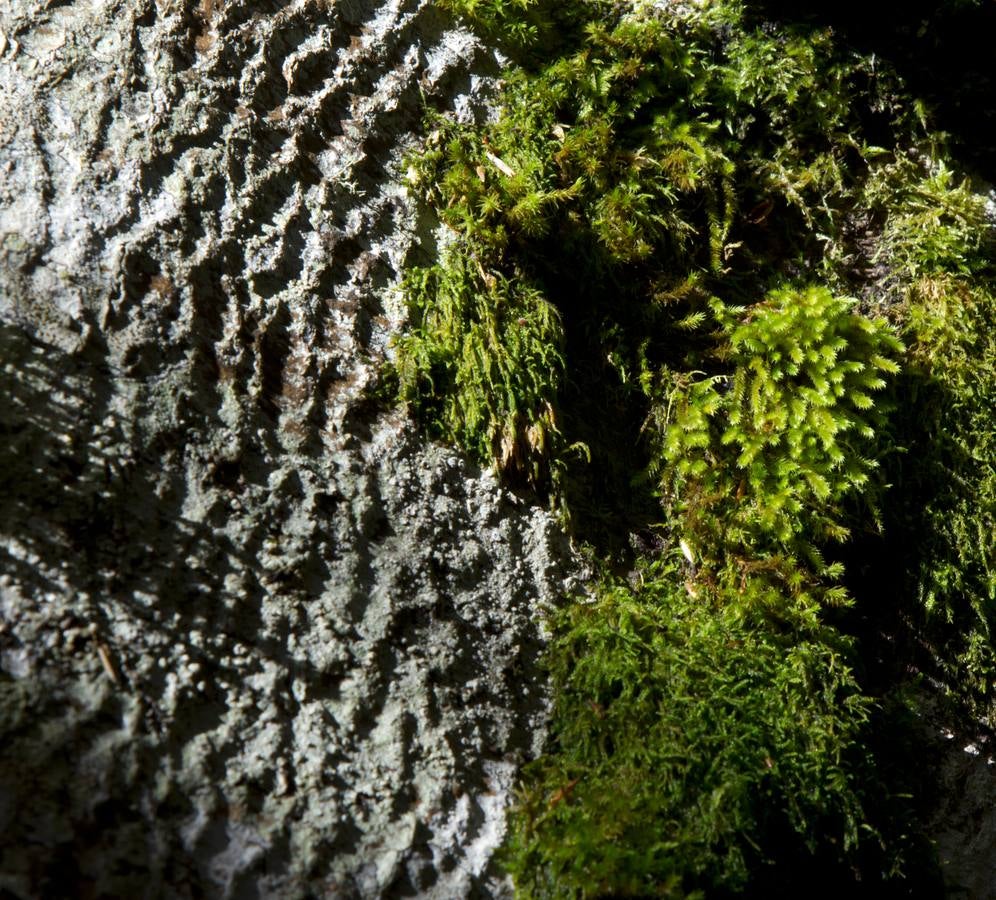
757, 464
688, 738
643, 315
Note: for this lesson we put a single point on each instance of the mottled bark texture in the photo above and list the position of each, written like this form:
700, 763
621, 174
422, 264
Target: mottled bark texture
256, 639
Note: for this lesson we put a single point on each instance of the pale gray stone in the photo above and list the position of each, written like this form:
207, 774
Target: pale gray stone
256, 639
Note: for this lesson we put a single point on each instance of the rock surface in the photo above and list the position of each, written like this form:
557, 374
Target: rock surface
961, 757
255, 639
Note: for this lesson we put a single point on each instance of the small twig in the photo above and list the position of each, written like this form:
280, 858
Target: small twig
105, 660
564, 793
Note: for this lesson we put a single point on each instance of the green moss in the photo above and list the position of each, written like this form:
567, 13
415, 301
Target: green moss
955, 394
481, 362
643, 312
938, 249
693, 747
626, 181
757, 462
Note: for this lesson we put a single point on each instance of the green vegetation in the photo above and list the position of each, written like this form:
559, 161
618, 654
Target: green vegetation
756, 463
483, 360
940, 246
644, 313
686, 733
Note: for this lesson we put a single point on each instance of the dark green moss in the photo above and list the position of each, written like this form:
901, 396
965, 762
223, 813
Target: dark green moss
682, 748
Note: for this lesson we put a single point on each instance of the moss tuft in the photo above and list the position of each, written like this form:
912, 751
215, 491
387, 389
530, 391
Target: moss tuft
693, 747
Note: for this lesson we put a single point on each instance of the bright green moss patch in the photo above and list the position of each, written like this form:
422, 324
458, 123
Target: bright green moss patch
756, 463
645, 311
792, 418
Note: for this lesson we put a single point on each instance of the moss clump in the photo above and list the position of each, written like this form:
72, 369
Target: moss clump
643, 312
689, 737
482, 360
940, 541
950, 554
756, 463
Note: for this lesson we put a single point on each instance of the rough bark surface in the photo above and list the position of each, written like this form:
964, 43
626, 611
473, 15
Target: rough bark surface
255, 641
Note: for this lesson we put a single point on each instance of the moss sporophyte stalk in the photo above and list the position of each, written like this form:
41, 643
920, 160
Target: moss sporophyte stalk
690, 297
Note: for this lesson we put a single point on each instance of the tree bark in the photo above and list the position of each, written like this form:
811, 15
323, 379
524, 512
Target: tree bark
256, 639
